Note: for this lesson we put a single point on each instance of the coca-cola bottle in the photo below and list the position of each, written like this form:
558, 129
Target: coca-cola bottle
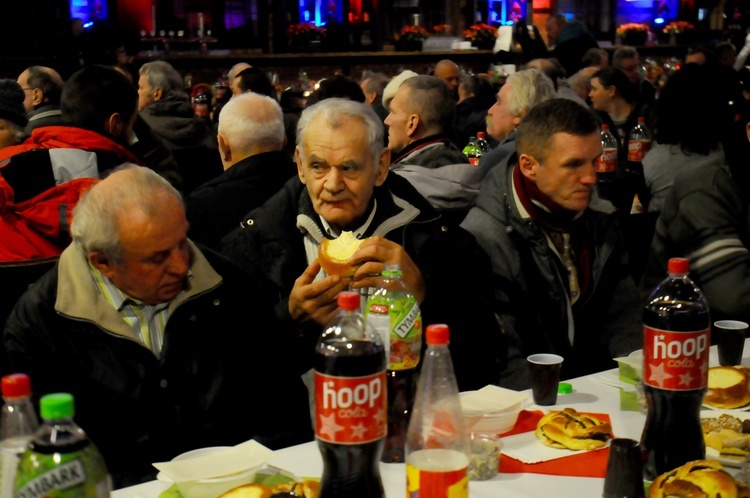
394, 312
482, 142
606, 165
350, 403
676, 338
639, 141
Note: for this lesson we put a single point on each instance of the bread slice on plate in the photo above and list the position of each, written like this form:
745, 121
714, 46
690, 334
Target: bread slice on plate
728, 387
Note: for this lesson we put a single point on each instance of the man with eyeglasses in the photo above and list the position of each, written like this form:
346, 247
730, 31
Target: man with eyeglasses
626, 60
42, 87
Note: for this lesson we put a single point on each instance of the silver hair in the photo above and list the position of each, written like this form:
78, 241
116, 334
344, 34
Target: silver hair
95, 225
160, 74
624, 52
528, 88
332, 111
252, 120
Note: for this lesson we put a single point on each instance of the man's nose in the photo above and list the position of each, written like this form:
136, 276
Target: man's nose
179, 262
588, 174
334, 180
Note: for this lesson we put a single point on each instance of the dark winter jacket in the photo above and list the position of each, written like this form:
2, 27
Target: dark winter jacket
531, 292
220, 379
270, 241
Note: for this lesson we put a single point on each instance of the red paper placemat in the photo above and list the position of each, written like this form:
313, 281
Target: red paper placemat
586, 464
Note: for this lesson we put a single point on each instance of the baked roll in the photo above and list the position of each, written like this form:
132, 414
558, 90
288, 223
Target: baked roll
699, 478
569, 429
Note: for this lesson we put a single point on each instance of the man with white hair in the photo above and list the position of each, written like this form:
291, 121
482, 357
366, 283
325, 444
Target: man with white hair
522, 91
251, 141
151, 334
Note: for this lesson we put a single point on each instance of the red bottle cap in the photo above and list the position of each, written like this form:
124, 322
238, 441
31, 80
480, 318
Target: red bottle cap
678, 265
348, 300
480, 134
437, 334
605, 127
641, 119
16, 385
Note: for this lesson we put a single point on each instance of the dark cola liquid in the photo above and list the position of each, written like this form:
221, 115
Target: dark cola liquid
672, 435
402, 388
350, 470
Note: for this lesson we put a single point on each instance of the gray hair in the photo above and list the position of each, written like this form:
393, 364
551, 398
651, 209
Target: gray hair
528, 88
95, 225
621, 53
432, 100
333, 111
252, 121
160, 74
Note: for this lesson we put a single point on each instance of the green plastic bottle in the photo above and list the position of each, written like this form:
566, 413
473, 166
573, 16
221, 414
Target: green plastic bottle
61, 460
394, 312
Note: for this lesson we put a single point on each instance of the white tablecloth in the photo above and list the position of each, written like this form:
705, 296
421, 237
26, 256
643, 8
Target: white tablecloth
588, 395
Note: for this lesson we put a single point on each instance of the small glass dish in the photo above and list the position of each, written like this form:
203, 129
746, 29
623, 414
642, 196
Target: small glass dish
484, 458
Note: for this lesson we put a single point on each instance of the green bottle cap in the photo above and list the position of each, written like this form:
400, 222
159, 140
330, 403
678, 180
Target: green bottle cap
391, 270
564, 388
57, 406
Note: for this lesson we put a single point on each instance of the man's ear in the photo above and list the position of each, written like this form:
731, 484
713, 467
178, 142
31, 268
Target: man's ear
747, 131
384, 164
528, 166
38, 96
101, 263
158, 94
114, 125
224, 150
298, 160
412, 123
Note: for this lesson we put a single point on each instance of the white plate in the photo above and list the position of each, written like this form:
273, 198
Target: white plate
728, 460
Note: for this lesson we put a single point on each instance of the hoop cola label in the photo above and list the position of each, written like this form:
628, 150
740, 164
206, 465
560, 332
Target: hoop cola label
675, 361
637, 150
607, 162
350, 410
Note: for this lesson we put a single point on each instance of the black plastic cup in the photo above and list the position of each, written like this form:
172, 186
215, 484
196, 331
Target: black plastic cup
730, 335
545, 377
624, 478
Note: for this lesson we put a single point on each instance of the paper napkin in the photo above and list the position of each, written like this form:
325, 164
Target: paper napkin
490, 399
232, 460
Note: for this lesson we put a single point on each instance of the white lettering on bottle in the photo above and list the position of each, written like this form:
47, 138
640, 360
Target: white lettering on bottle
692, 347
402, 328
344, 397
62, 477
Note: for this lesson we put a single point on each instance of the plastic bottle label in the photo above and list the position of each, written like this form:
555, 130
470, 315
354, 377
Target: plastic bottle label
437, 473
637, 149
474, 161
67, 475
675, 361
350, 410
607, 162
404, 335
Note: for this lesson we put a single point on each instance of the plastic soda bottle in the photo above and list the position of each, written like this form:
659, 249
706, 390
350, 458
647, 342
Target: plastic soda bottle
639, 141
676, 338
61, 460
472, 151
350, 403
436, 443
606, 165
18, 422
484, 146
394, 312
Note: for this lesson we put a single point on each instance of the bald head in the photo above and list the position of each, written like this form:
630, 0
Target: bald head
249, 124
41, 85
449, 72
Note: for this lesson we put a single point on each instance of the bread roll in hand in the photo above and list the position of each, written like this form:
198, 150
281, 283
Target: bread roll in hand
334, 254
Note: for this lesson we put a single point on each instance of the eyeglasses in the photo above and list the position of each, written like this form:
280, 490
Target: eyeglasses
28, 89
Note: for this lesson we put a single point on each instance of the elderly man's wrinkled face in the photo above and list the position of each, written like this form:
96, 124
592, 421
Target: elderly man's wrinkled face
146, 94
400, 121
629, 66
155, 254
500, 122
336, 165
567, 175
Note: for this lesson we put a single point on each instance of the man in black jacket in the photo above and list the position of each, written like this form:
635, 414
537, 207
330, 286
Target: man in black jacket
164, 346
251, 142
344, 185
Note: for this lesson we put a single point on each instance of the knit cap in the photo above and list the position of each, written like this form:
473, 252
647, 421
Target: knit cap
393, 86
11, 102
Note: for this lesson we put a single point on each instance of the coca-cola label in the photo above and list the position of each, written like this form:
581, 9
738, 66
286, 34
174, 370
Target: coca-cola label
350, 410
675, 361
637, 149
607, 162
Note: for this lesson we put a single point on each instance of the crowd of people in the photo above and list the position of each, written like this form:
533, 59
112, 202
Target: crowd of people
187, 297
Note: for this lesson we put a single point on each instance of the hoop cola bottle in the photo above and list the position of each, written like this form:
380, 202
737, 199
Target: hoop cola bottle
676, 338
394, 312
606, 165
350, 403
639, 141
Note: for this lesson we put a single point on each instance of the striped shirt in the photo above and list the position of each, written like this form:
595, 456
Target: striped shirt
147, 321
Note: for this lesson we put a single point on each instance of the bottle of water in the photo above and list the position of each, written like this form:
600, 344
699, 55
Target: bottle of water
484, 146
61, 460
436, 443
394, 313
18, 422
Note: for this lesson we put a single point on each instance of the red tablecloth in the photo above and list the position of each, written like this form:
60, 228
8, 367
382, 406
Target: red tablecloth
585, 464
